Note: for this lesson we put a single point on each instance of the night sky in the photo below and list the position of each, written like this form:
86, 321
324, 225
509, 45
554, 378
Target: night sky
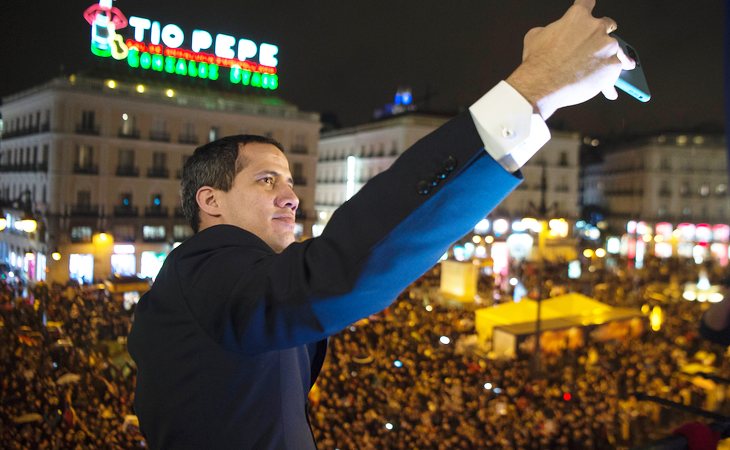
348, 58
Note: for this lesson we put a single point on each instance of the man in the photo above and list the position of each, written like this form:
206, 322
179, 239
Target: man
231, 336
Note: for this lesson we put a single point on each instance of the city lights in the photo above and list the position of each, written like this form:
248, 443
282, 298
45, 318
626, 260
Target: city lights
445, 340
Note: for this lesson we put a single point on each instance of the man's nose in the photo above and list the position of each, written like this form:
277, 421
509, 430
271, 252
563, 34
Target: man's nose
287, 198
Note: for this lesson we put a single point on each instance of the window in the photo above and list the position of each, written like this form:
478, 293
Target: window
81, 234
88, 121
159, 160
126, 158
705, 190
84, 156
126, 199
563, 159
129, 125
153, 233
213, 134
181, 232
83, 198
156, 200
124, 233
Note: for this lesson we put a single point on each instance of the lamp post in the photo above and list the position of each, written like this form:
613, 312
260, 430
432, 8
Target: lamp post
27, 222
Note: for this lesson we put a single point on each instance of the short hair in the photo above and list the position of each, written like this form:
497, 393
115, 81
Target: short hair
214, 164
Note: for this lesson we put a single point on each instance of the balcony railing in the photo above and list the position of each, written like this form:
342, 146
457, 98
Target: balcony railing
129, 134
155, 211
158, 172
85, 210
187, 139
42, 128
125, 211
161, 136
87, 129
127, 171
87, 169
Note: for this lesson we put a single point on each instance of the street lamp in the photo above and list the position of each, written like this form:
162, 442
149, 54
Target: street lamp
27, 222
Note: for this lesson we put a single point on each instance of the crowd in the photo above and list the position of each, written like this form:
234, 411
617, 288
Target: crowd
61, 387
410, 377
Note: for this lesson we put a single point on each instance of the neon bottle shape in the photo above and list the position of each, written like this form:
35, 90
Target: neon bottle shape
100, 45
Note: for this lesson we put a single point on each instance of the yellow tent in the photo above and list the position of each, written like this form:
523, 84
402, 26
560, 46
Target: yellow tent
575, 304
509, 314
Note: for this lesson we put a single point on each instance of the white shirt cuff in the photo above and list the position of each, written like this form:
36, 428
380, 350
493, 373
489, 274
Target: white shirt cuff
509, 129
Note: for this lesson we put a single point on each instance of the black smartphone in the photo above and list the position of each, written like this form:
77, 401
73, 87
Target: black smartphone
633, 82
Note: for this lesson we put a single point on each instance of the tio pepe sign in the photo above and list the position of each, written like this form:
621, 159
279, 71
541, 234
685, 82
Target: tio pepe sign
151, 45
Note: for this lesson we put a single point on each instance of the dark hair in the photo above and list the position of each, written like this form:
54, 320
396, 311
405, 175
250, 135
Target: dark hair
214, 164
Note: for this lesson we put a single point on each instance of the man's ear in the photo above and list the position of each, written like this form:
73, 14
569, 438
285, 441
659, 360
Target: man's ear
207, 200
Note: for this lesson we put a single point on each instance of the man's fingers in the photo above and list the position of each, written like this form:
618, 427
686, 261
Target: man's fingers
626, 62
609, 24
610, 93
588, 4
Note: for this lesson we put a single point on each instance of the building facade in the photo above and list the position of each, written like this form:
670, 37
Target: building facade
99, 162
349, 157
671, 178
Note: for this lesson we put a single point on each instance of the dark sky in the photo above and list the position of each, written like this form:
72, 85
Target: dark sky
349, 57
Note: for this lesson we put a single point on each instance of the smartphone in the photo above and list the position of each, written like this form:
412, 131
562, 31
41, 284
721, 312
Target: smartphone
633, 82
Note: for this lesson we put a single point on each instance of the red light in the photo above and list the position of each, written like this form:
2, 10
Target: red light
567, 396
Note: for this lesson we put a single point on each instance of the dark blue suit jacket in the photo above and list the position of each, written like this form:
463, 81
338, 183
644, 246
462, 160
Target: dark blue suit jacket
230, 338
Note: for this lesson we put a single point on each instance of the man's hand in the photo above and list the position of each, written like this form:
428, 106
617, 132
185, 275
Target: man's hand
570, 61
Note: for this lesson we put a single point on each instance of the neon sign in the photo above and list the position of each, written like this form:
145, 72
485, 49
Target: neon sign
159, 47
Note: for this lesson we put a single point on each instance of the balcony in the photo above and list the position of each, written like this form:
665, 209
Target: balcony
90, 129
159, 136
27, 131
129, 134
299, 149
127, 171
187, 139
125, 211
158, 172
85, 210
155, 211
86, 169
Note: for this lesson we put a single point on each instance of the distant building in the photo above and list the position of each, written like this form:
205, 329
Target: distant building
349, 157
664, 195
99, 162
664, 178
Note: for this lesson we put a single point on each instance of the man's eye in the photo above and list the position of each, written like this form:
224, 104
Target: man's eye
268, 180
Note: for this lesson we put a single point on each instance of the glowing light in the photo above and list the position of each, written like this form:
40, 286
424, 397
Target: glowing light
656, 318
476, 239
489, 239
388, 426
350, 190
140, 88
56, 256
559, 227
482, 227
111, 84
588, 253
513, 281
3, 223
488, 386
567, 396
27, 225
613, 245
125, 117
429, 308
397, 363
170, 93
445, 340
500, 226
600, 252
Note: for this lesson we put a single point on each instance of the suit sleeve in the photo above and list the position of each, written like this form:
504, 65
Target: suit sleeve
377, 243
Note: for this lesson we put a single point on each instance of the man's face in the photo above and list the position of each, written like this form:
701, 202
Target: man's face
261, 199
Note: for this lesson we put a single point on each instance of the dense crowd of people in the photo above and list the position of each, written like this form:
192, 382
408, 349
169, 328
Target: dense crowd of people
410, 377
